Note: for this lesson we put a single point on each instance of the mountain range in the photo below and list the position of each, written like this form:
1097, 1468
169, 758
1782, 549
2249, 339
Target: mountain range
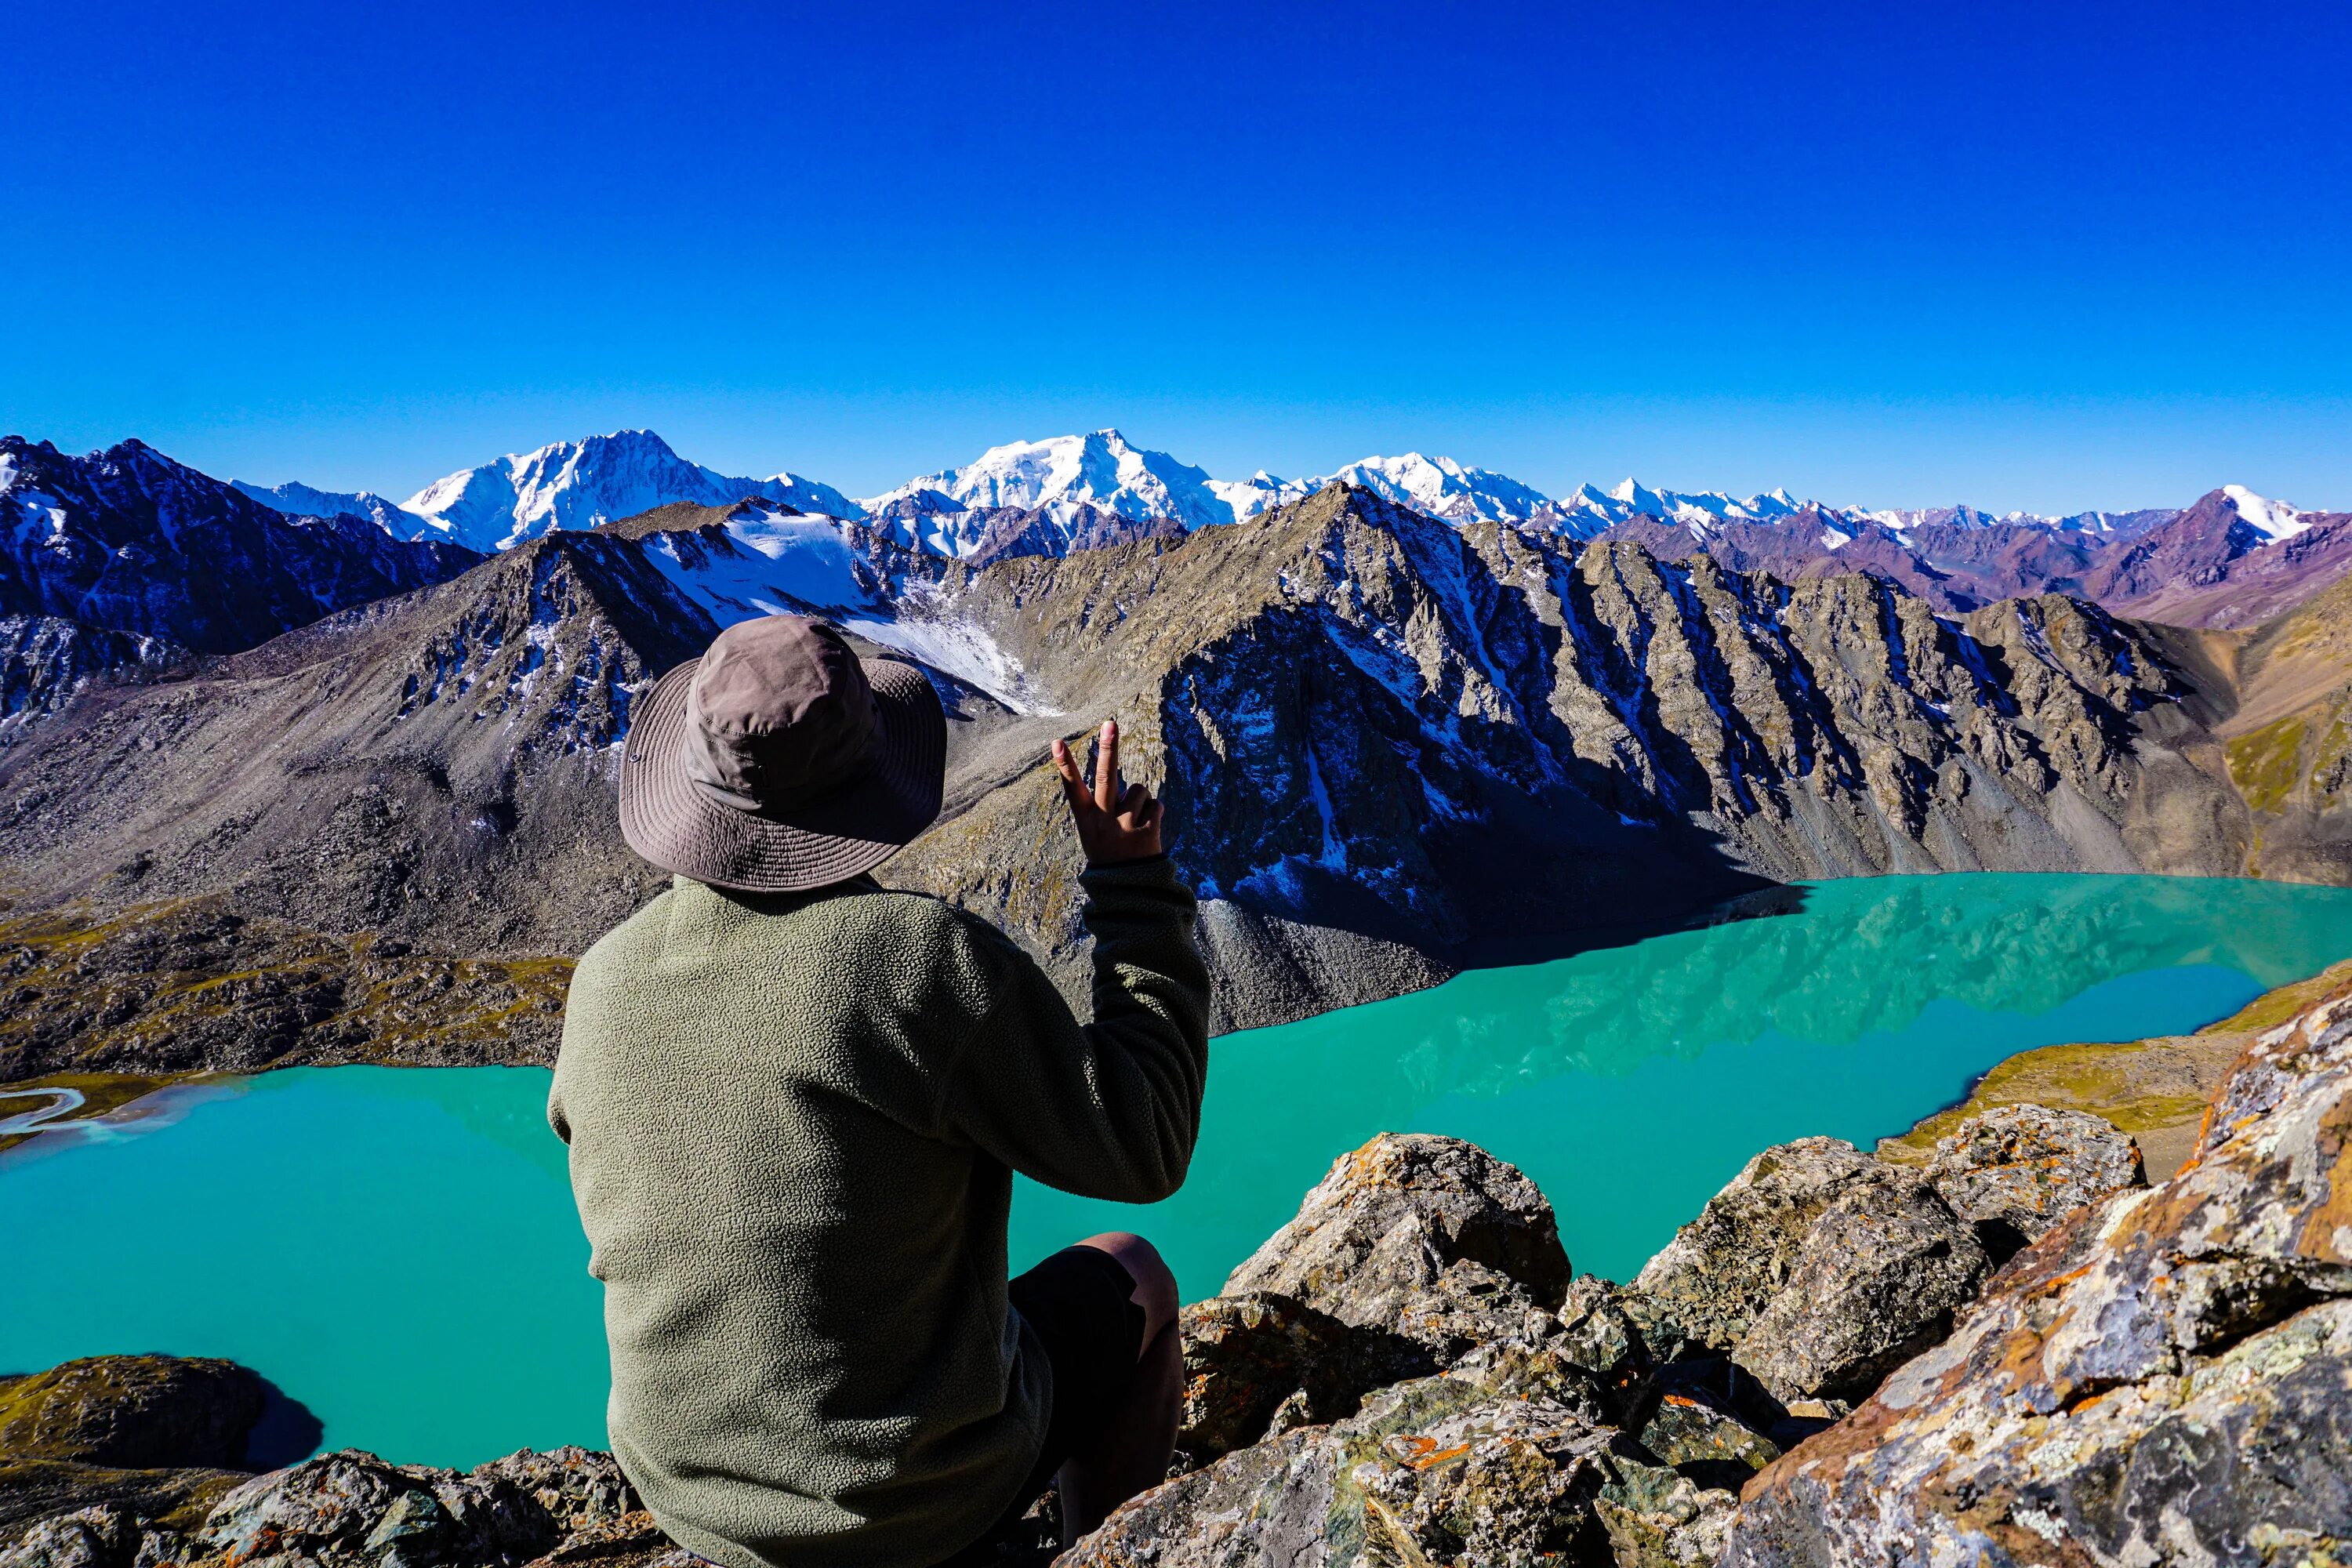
1396, 744
2231, 558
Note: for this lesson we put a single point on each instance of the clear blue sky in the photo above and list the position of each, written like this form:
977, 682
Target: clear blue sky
2040, 255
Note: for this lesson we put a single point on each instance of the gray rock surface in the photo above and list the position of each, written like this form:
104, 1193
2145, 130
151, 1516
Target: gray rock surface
46, 662
1438, 1470
2164, 1377
351, 1506
1708, 1284
1818, 1270
2016, 1171
1377, 1242
100, 1537
1254, 1354
348, 1508
1878, 1279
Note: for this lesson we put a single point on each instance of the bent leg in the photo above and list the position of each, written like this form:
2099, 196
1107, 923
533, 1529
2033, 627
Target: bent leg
1133, 1452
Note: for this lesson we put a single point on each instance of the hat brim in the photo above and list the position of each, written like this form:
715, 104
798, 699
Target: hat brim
670, 822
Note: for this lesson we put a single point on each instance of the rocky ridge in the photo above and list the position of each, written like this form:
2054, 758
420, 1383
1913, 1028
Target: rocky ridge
1355, 703
127, 541
2230, 558
1348, 704
1825, 1367
46, 661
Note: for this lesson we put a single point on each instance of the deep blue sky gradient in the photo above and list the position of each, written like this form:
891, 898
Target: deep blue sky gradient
2019, 255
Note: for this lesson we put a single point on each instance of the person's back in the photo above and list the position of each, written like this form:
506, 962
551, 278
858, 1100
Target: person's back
793, 1117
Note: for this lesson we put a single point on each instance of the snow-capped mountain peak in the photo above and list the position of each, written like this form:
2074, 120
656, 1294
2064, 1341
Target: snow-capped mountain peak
1101, 469
298, 499
2275, 518
580, 484
1441, 487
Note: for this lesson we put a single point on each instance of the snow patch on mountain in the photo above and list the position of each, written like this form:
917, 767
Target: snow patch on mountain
2273, 517
773, 562
1442, 487
1101, 469
581, 484
1260, 492
296, 499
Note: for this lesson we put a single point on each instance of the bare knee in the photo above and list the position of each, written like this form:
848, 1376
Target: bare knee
1155, 1282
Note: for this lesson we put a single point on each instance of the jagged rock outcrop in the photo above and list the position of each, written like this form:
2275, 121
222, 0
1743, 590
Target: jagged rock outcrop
1443, 1469
1412, 1254
1408, 1226
349, 1509
45, 663
1257, 1364
2015, 1171
2164, 1377
1313, 1435
129, 540
1817, 1269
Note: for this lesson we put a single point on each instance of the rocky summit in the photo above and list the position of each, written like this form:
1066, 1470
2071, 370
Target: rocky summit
1825, 1367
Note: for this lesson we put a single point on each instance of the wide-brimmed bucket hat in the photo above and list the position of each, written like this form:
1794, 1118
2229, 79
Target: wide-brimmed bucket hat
780, 760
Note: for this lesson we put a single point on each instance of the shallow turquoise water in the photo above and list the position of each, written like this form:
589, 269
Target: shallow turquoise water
397, 1249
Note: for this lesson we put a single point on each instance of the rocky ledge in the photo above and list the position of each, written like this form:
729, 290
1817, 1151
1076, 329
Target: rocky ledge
2017, 1352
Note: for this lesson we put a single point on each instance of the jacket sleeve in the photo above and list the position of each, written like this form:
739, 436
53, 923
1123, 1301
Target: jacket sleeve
1105, 1109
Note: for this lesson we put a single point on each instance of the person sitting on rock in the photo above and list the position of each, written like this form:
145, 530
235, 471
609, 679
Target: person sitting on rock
795, 1100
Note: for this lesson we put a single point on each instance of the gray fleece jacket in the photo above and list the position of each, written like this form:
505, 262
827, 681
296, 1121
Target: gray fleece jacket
794, 1122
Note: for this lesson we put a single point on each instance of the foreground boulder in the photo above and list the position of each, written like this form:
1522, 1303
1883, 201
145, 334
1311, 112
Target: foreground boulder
1257, 1364
1412, 1253
1438, 1470
348, 1509
2164, 1378
1382, 1232
1819, 1270
2017, 1171
1315, 1430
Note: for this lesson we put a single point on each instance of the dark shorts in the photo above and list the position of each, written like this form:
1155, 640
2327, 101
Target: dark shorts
1078, 1303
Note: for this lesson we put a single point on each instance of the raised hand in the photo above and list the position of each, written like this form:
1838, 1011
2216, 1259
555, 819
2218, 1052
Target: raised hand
1116, 822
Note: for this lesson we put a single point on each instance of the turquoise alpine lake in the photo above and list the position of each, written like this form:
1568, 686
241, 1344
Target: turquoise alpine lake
396, 1248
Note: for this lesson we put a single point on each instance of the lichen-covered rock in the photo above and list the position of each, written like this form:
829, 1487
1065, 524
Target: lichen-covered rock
1248, 1357
101, 1537
1437, 1470
132, 1412
1698, 1438
629, 1540
2016, 1171
1385, 1225
2166, 1377
1877, 1280
581, 1489
1818, 1268
351, 1506
1720, 1271
1469, 1305
1597, 1332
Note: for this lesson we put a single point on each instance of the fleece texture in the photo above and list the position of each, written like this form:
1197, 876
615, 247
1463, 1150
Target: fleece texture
793, 1121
